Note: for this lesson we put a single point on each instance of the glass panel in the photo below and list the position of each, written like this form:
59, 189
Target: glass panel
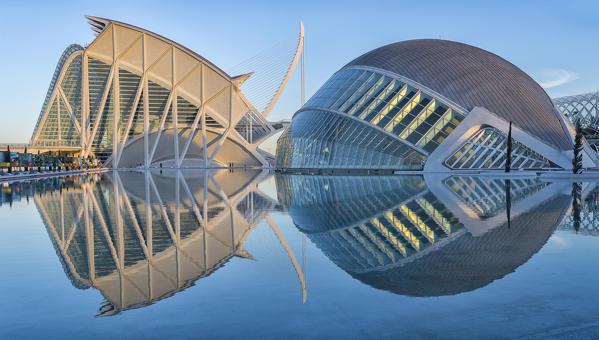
350, 144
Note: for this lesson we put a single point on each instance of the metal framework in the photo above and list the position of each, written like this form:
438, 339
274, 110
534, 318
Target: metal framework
140, 238
133, 98
583, 109
487, 150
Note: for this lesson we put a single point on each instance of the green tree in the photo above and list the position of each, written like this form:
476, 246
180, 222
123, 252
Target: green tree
577, 161
9, 159
508, 152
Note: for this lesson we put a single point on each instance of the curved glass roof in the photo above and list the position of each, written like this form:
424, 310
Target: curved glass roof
472, 77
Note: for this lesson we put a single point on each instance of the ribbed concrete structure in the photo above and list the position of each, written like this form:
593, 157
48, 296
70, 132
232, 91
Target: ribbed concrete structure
472, 77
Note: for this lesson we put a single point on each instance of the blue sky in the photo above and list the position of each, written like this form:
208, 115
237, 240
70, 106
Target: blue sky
553, 41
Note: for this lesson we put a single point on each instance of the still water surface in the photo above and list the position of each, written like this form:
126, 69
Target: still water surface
256, 254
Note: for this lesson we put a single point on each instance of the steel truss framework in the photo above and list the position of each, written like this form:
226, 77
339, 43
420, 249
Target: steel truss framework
583, 108
135, 98
140, 244
487, 150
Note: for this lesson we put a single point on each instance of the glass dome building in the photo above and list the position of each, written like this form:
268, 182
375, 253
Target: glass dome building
428, 105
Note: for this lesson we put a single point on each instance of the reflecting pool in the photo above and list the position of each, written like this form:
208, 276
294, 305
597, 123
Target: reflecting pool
257, 254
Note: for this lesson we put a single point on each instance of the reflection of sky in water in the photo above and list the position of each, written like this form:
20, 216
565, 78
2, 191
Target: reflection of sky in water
547, 292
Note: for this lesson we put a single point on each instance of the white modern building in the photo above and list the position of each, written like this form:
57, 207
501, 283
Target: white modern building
133, 98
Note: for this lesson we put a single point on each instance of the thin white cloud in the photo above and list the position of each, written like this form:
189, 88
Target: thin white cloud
557, 241
549, 78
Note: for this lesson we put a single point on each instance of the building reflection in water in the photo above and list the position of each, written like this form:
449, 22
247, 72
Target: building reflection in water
420, 236
586, 221
139, 237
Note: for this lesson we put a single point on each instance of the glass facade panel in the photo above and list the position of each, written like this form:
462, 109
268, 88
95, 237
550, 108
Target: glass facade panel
158, 97
58, 129
70, 50
71, 85
128, 84
386, 103
252, 128
355, 80
186, 112
137, 127
319, 139
98, 76
50, 128
102, 143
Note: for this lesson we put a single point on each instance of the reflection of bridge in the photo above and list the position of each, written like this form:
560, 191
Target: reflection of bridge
140, 237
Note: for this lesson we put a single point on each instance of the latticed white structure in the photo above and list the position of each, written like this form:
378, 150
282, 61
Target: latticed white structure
134, 98
582, 107
487, 150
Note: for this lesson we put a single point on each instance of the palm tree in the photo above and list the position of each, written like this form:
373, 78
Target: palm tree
9, 159
39, 160
25, 155
576, 203
577, 161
